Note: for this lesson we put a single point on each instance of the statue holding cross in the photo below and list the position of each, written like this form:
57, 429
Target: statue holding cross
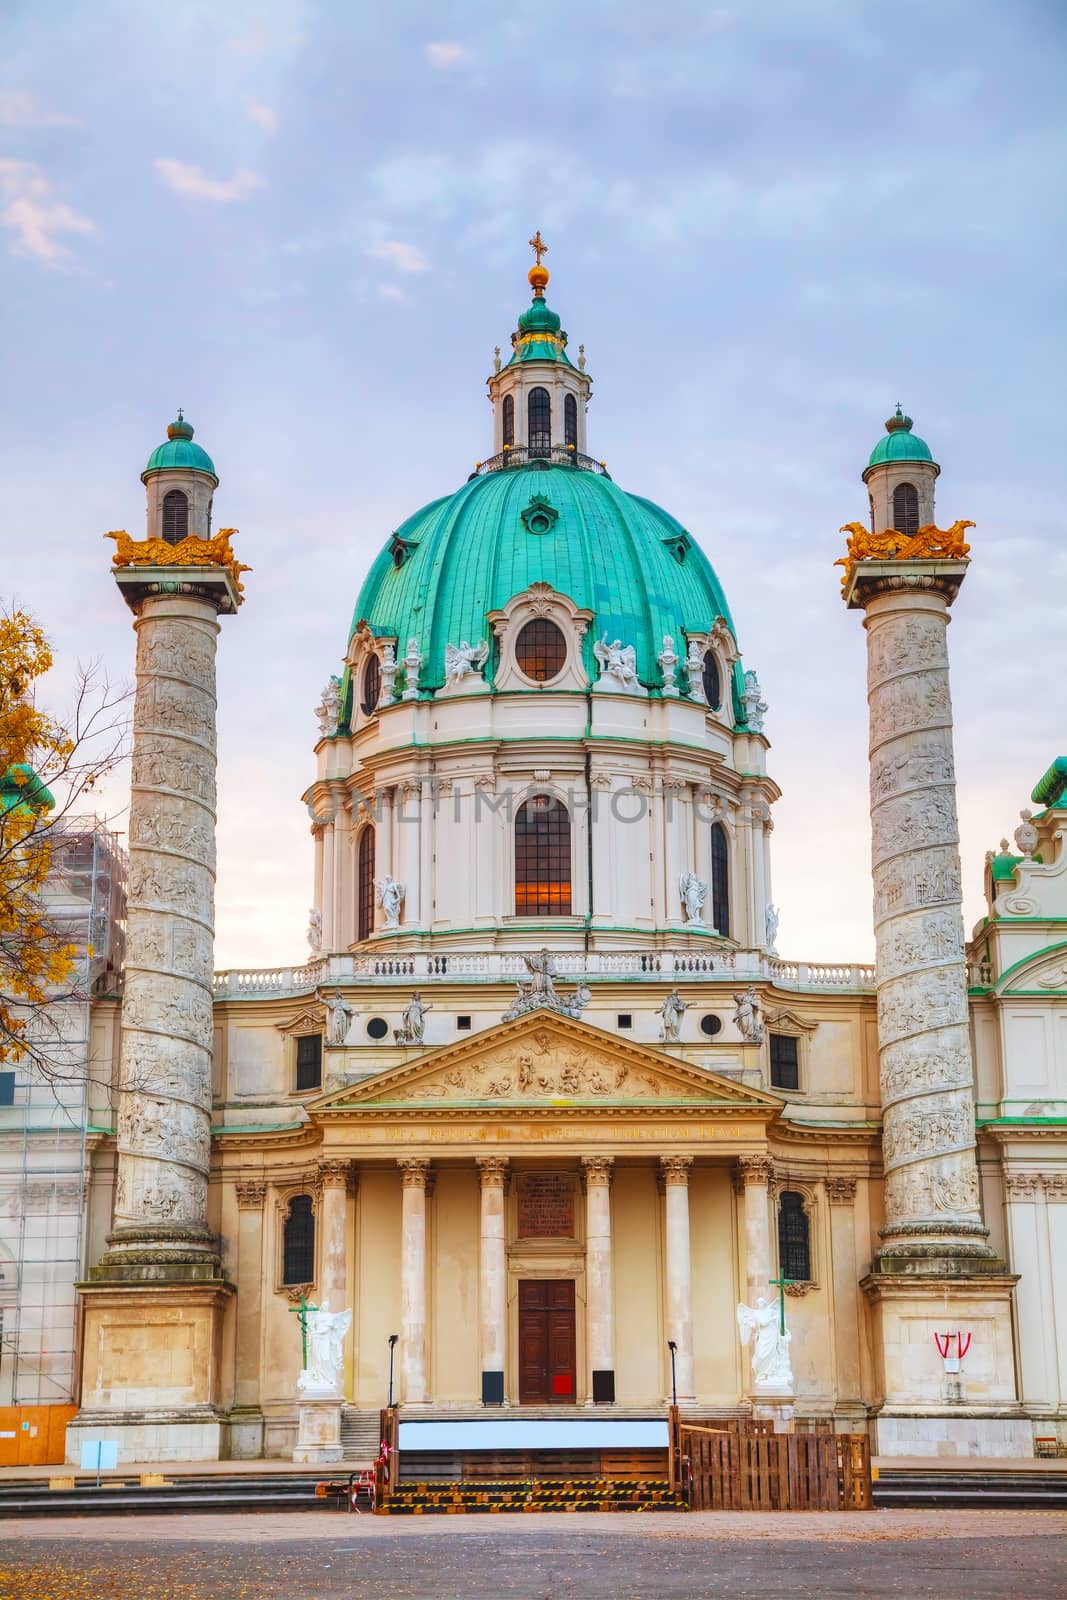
771, 1368
301, 1312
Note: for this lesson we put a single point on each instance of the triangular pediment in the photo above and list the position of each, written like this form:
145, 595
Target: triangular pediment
546, 1059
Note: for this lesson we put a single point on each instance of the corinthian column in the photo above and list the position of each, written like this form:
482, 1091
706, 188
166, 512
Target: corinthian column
928, 1141
165, 1065
752, 1180
675, 1170
413, 1176
599, 1287
493, 1277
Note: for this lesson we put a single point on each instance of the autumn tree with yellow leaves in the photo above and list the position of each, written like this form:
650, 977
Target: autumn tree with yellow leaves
48, 766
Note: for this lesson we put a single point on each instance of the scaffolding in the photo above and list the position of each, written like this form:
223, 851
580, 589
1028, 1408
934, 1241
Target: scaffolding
46, 1123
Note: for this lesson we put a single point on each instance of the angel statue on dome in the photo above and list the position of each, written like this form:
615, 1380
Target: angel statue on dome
617, 661
463, 661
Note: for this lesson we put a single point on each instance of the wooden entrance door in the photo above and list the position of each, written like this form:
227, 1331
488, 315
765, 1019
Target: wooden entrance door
546, 1341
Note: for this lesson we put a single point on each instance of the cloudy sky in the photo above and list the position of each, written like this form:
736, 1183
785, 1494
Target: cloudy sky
306, 223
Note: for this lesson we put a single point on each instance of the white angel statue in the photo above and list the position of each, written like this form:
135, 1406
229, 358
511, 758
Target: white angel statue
770, 1350
463, 660
326, 1331
693, 892
390, 896
617, 661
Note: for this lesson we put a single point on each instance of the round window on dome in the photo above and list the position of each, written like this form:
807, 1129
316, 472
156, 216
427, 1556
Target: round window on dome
372, 686
541, 650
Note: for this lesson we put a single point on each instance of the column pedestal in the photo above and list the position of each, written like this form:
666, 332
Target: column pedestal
318, 1439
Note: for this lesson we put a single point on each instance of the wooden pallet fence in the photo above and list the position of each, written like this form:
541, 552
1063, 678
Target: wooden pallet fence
733, 1470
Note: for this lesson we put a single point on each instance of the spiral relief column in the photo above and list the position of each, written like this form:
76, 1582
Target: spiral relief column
935, 1267
152, 1351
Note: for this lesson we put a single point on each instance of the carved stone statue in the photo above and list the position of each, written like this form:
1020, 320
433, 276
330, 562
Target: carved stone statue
412, 668
464, 661
770, 1350
754, 703
328, 707
581, 358
326, 1331
496, 358
747, 1016
315, 930
339, 1016
1026, 835
618, 664
668, 664
538, 992
694, 671
772, 929
413, 1023
390, 896
672, 1011
693, 892
389, 671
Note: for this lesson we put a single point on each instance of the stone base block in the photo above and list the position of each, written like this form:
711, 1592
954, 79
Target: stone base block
318, 1439
141, 1436
246, 1434
774, 1405
946, 1437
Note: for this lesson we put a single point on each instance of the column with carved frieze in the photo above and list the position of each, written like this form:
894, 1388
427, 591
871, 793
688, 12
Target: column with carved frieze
932, 1206
679, 1270
414, 1174
251, 1193
599, 1279
752, 1181
493, 1277
841, 1194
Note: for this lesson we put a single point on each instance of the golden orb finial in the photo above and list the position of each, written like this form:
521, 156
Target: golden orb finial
538, 275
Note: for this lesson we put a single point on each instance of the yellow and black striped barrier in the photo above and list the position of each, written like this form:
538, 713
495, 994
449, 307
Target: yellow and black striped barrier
546, 1495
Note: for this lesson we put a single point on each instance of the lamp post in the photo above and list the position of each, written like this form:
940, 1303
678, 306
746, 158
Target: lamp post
393, 1337
673, 1348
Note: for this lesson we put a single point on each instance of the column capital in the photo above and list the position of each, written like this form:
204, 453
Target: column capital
334, 1174
251, 1192
749, 1170
492, 1170
675, 1170
597, 1169
841, 1190
414, 1171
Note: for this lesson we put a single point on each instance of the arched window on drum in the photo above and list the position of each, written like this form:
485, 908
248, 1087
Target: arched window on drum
543, 858
508, 419
175, 516
906, 509
720, 879
365, 885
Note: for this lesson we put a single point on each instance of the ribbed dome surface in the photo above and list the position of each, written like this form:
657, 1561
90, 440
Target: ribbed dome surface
610, 552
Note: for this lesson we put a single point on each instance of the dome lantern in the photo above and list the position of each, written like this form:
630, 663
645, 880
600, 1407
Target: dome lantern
900, 477
539, 397
180, 480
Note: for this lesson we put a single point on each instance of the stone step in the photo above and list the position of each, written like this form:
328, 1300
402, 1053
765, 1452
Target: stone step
360, 1434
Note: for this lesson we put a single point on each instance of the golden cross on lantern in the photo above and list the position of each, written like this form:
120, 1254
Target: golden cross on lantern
538, 246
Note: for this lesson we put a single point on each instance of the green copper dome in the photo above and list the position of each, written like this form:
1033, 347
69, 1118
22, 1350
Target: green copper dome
612, 553
180, 452
20, 786
900, 444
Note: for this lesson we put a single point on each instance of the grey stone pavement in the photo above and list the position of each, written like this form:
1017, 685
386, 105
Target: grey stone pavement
324, 1555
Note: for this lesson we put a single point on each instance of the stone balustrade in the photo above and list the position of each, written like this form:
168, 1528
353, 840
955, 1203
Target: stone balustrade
504, 966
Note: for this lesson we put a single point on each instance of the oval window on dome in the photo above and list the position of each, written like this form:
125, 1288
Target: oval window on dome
541, 650
372, 686
711, 681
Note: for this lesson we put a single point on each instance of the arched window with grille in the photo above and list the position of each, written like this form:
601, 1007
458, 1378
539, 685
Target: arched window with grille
906, 509
539, 417
711, 682
365, 885
570, 421
372, 686
508, 418
175, 516
298, 1241
794, 1237
543, 858
720, 879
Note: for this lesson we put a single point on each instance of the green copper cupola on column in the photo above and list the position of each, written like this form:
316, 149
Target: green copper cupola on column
539, 396
900, 479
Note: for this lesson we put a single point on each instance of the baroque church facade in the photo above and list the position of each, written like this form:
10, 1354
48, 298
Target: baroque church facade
545, 1102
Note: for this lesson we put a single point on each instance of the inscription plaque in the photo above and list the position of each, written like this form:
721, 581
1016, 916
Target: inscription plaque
546, 1205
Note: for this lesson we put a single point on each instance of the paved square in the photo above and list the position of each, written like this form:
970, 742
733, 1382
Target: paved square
968, 1555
